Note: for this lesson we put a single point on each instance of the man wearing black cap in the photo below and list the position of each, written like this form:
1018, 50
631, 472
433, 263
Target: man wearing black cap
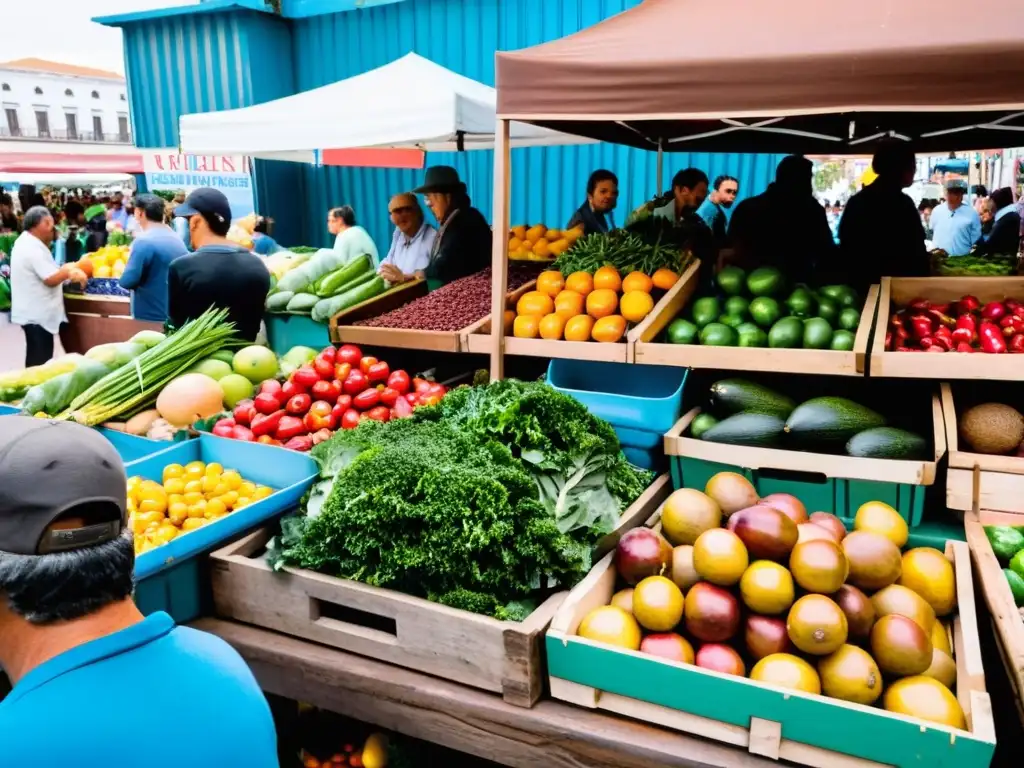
220, 273
92, 677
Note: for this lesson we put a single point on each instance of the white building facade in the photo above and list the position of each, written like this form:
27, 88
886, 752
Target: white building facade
43, 101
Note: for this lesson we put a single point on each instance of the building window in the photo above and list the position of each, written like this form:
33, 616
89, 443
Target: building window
72, 122
12, 121
95, 94
5, 86
68, 92
43, 125
122, 127
97, 127
39, 91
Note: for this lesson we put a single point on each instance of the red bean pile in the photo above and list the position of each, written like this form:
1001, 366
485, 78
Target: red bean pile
454, 306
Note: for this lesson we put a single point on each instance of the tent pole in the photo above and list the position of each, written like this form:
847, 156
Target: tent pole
499, 247
661, 169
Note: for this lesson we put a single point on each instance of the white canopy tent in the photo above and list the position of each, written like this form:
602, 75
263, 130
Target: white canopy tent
411, 103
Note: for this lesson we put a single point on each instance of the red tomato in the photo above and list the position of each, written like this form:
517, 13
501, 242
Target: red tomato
412, 398
421, 385
380, 413
366, 399
345, 401
389, 396
238, 432
342, 370
323, 367
378, 372
355, 383
329, 353
338, 411
349, 353
326, 390
306, 376
399, 381
291, 389
350, 419
266, 404
224, 428
272, 387
297, 405
366, 362
319, 416
403, 408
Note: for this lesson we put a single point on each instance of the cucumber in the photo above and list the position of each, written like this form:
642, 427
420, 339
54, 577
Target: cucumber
761, 430
831, 420
301, 302
331, 283
702, 422
325, 309
887, 443
737, 395
278, 302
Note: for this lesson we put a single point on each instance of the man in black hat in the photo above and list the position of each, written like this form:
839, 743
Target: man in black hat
463, 243
220, 273
84, 662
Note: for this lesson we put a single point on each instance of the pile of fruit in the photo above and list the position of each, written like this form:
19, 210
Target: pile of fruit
993, 428
961, 326
108, 261
336, 390
1008, 546
742, 412
750, 312
584, 307
189, 497
539, 243
794, 598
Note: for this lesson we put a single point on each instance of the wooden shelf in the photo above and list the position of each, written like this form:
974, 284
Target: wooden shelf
550, 734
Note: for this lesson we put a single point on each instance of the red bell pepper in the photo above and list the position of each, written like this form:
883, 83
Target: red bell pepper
266, 424
967, 304
921, 326
1017, 343
991, 338
289, 427
993, 310
962, 336
964, 346
967, 321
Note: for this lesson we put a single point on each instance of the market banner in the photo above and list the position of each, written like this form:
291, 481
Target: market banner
169, 170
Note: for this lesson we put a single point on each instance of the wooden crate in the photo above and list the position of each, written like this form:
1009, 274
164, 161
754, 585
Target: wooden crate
918, 365
978, 480
822, 361
479, 651
767, 720
1006, 618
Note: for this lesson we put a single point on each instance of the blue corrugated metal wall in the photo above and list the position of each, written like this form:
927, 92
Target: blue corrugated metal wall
547, 184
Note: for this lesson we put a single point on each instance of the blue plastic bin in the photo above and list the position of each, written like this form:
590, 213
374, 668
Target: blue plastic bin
8, 410
641, 402
168, 578
287, 331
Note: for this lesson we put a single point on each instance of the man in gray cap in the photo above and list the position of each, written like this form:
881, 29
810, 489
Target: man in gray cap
80, 655
955, 227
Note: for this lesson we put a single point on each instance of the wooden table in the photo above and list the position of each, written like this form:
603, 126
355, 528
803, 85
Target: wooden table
551, 734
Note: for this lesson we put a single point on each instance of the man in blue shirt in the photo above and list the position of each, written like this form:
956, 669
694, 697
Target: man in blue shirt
713, 209
411, 243
118, 213
145, 274
96, 683
955, 226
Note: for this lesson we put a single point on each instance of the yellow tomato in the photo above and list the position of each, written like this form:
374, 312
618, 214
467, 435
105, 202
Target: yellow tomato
209, 483
143, 521
133, 483
153, 505
229, 499
177, 513
215, 508
198, 509
262, 491
637, 281
173, 470
193, 497
551, 326
194, 486
194, 470
581, 282
192, 523
174, 486
636, 305
243, 501
578, 328
602, 302
232, 479
219, 490
609, 329
213, 469
246, 488
164, 533
608, 277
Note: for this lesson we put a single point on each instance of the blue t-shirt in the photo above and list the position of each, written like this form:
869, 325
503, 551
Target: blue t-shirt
153, 694
145, 274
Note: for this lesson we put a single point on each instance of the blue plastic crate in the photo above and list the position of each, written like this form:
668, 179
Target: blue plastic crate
641, 402
168, 577
8, 410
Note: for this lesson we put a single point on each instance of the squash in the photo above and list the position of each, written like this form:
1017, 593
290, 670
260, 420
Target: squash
188, 398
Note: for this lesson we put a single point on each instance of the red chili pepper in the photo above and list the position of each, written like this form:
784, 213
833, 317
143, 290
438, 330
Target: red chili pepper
289, 427
962, 336
920, 304
941, 319
967, 321
993, 310
964, 346
921, 325
1017, 343
968, 304
926, 343
266, 424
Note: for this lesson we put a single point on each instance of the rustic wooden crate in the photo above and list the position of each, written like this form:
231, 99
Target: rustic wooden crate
962, 365
822, 361
767, 720
479, 651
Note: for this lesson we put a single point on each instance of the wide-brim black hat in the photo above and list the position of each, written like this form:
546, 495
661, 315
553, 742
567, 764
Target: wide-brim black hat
440, 178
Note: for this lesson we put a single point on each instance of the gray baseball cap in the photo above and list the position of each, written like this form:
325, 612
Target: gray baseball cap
48, 469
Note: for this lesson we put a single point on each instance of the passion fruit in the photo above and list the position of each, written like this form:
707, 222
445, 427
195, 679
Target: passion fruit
788, 505
767, 588
819, 566
926, 699
721, 658
851, 674
657, 604
731, 491
930, 574
712, 614
878, 517
860, 613
720, 557
787, 671
767, 533
900, 646
875, 562
683, 572
611, 625
765, 635
830, 523
942, 668
816, 625
624, 599
668, 645
905, 602
687, 513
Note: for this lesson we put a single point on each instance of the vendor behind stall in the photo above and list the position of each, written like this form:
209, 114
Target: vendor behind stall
689, 188
595, 215
351, 240
149, 260
463, 243
409, 255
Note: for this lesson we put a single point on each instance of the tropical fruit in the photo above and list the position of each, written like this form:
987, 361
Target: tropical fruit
930, 574
624, 599
535, 303
819, 566
765, 635
612, 626
712, 614
942, 668
809, 531
830, 523
578, 328
657, 604
940, 640
687, 514
879, 517
720, 658
236, 388
580, 282
875, 562
900, 646
256, 363
766, 532
765, 281
552, 326
668, 645
683, 573
720, 557
731, 491
816, 625
767, 588
851, 674
636, 305
730, 280
550, 282
526, 326
904, 602
214, 368
788, 505
992, 428
569, 303
926, 699
787, 671
860, 613
640, 553
887, 443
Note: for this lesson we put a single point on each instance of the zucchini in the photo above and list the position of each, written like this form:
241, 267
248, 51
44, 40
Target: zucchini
278, 302
327, 308
302, 302
740, 395
332, 282
762, 430
887, 443
365, 277
701, 423
831, 420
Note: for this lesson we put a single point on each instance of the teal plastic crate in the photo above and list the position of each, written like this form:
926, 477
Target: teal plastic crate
287, 331
169, 578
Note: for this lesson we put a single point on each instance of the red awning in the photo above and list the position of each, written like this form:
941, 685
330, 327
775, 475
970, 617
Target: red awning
47, 162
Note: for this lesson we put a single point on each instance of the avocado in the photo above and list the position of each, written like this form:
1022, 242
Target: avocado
828, 309
701, 423
1006, 541
730, 280
1016, 586
817, 333
682, 331
706, 310
842, 341
733, 321
752, 336
787, 333
887, 443
736, 305
764, 311
800, 303
756, 429
849, 319
739, 395
831, 420
764, 281
718, 335
843, 295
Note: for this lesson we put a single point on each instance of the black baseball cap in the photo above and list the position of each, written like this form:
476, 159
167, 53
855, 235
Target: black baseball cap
47, 469
206, 201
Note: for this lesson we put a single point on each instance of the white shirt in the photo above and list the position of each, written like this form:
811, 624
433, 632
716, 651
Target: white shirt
353, 242
32, 301
411, 254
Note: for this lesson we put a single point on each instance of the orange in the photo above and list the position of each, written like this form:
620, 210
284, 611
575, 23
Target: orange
637, 281
569, 304
636, 305
526, 326
581, 282
552, 326
552, 234
608, 277
535, 233
664, 279
518, 232
550, 282
609, 329
515, 245
601, 303
578, 328
510, 319
535, 303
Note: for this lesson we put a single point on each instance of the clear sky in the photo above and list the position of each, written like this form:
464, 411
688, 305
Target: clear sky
61, 30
